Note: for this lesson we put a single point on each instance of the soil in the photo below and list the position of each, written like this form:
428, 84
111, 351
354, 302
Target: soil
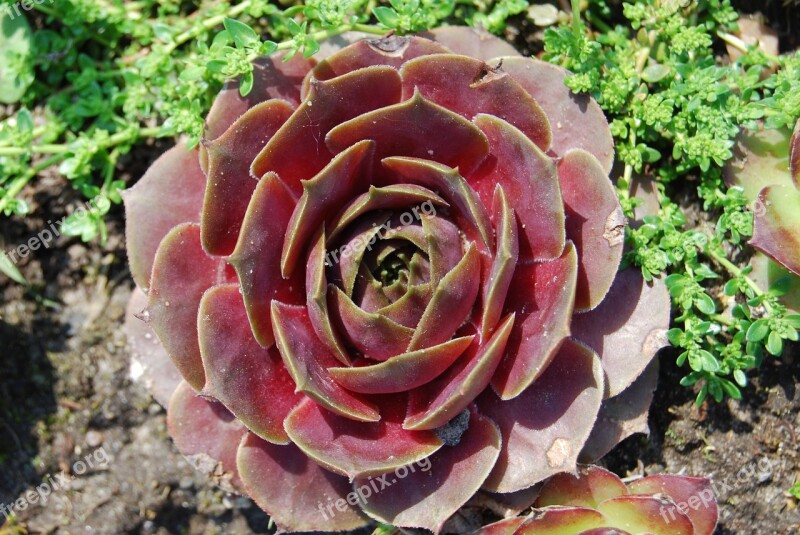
71, 418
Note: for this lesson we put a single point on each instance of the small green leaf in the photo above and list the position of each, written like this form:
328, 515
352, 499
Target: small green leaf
690, 379
753, 348
705, 272
731, 287
740, 377
82, 223
655, 73
715, 390
758, 331
795, 490
740, 311
649, 154
702, 328
709, 363
674, 280
730, 389
243, 35
192, 73
216, 66
246, 84
792, 335
774, 344
16, 67
675, 336
387, 16
311, 47
294, 28
701, 396
8, 268
705, 304
268, 47
24, 120
780, 286
163, 32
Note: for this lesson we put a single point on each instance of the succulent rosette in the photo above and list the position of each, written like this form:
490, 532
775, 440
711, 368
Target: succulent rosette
596, 502
403, 255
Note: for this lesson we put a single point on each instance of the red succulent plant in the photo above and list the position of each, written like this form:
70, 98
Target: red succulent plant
402, 256
596, 502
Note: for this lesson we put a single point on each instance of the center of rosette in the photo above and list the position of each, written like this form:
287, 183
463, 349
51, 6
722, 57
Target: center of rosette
384, 266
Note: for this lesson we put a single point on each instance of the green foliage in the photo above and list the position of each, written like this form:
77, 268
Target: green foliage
674, 112
494, 19
15, 50
407, 16
795, 491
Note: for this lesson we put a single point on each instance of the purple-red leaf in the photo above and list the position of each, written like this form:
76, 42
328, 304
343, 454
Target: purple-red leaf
542, 296
273, 78
385, 198
373, 334
207, 434
436, 403
529, 179
230, 184
426, 498
346, 176
414, 128
469, 86
622, 415
594, 223
298, 494
317, 300
576, 121
498, 281
358, 449
564, 521
508, 526
545, 427
181, 273
149, 359
627, 329
402, 372
590, 486
776, 229
450, 304
393, 51
646, 514
249, 380
298, 152
687, 491
177, 170
257, 257
454, 188
307, 359
472, 42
